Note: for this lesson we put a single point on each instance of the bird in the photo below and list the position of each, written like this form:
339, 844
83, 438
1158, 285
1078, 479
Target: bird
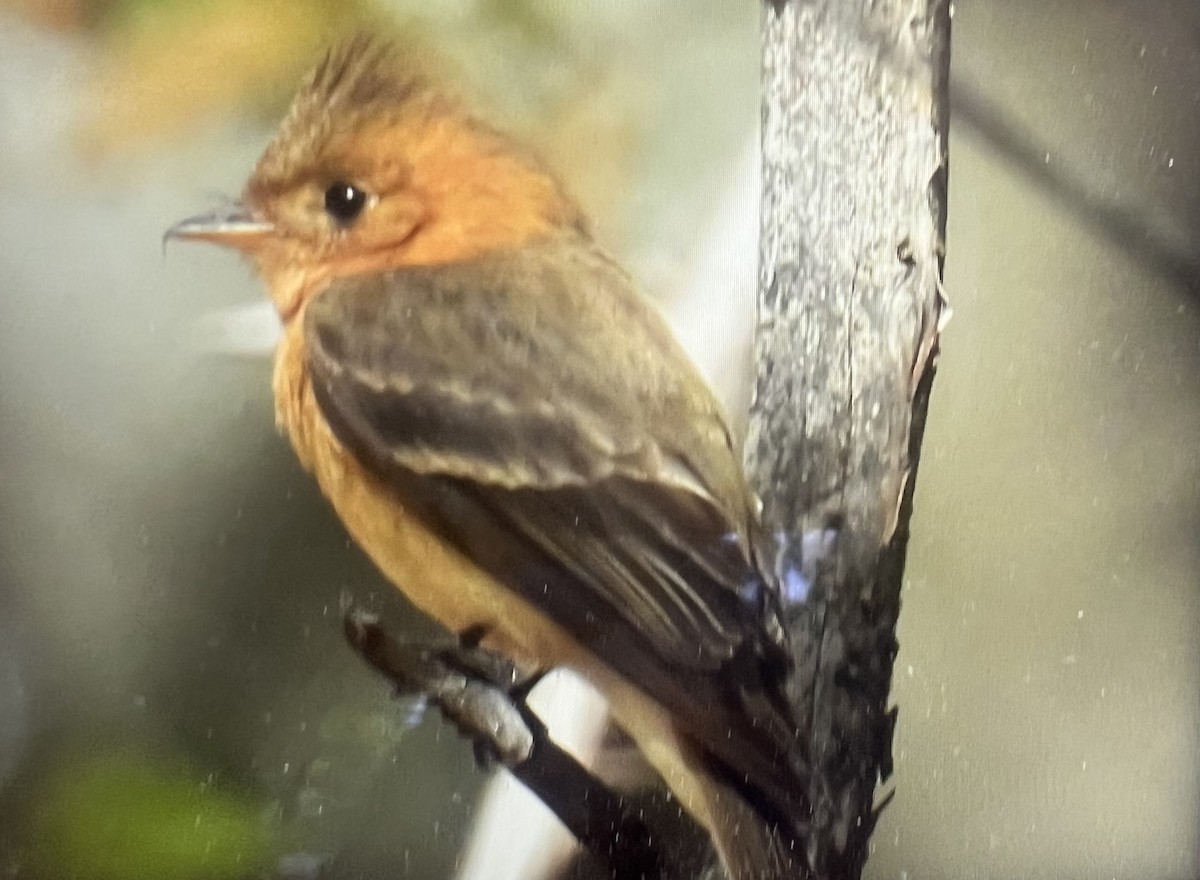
509, 430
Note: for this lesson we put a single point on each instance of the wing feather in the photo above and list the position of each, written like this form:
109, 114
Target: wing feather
558, 436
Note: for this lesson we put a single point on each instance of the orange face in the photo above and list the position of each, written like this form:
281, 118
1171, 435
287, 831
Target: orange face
382, 174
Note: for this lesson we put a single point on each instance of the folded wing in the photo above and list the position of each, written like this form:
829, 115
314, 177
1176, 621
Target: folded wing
556, 434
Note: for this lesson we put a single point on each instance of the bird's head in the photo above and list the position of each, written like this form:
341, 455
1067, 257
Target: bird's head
374, 167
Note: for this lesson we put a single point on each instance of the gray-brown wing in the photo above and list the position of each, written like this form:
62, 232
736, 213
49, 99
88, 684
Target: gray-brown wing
552, 394
540, 415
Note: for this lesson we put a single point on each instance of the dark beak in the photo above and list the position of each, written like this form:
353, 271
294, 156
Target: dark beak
236, 228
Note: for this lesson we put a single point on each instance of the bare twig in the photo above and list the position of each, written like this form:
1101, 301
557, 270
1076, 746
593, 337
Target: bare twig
475, 691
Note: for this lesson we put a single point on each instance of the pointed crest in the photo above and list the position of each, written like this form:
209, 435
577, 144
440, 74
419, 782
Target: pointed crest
364, 77
363, 73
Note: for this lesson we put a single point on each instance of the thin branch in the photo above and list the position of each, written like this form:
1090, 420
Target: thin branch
479, 693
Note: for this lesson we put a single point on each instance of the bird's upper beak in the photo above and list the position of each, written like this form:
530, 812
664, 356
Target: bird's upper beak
237, 228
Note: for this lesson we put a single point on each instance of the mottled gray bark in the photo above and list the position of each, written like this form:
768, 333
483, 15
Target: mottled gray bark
853, 219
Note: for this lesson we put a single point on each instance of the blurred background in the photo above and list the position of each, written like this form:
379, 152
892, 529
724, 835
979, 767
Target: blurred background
176, 700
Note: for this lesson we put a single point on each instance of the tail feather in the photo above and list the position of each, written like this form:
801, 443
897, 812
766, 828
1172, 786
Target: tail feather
750, 848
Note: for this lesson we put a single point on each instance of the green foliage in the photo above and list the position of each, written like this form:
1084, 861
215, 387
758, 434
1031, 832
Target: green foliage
117, 817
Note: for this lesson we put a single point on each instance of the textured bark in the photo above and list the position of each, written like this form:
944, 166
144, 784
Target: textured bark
853, 219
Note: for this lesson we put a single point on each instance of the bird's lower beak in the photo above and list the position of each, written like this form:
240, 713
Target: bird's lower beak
236, 228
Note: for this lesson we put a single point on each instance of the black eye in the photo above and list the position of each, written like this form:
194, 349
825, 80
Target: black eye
344, 202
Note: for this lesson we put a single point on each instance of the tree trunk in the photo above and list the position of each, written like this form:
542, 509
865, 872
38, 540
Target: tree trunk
854, 130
